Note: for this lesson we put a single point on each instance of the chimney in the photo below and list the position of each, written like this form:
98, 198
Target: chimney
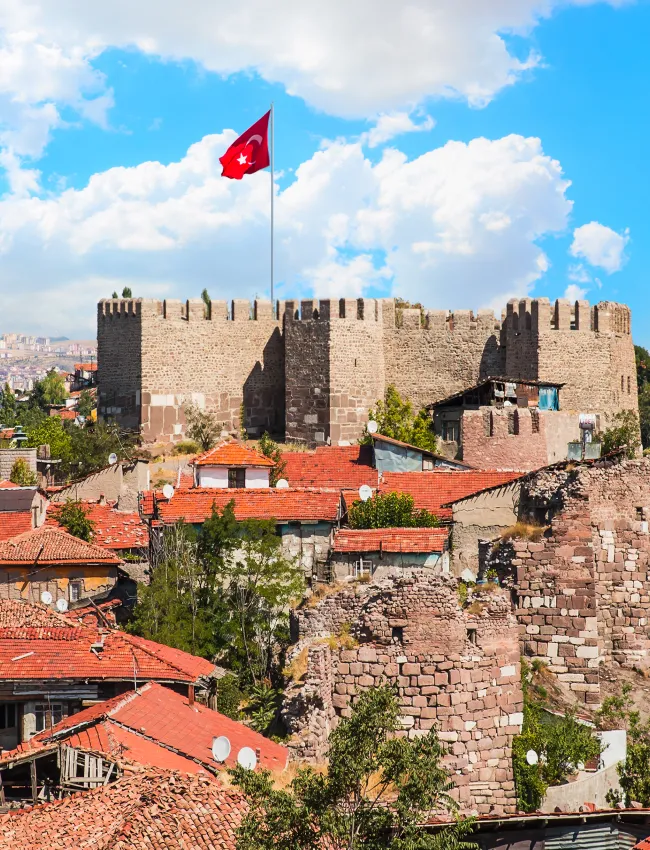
102, 499
190, 694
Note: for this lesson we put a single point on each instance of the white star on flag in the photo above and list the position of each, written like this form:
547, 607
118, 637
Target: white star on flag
241, 159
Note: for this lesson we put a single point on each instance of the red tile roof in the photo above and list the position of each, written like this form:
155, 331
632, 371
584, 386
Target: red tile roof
232, 454
644, 844
160, 810
53, 546
336, 467
147, 503
195, 505
13, 523
18, 613
64, 414
391, 540
5, 485
85, 367
431, 490
113, 529
175, 729
52, 650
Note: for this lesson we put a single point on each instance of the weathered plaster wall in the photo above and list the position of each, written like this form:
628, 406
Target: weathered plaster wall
309, 544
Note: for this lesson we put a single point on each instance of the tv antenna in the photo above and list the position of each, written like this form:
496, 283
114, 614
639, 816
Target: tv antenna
46, 597
365, 492
112, 459
168, 491
246, 758
282, 484
62, 605
372, 427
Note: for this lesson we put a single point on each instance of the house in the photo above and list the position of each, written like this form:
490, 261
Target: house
150, 808
50, 666
9, 456
231, 465
49, 561
21, 509
153, 726
504, 423
119, 483
391, 455
304, 519
373, 551
84, 376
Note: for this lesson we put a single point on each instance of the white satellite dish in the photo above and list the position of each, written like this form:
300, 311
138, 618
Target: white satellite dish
365, 492
246, 758
282, 484
112, 459
168, 491
372, 427
46, 597
62, 605
220, 748
532, 758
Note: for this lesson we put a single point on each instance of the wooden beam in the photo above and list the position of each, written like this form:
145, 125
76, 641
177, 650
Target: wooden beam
32, 773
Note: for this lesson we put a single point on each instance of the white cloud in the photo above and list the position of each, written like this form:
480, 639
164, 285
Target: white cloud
574, 292
456, 227
393, 124
579, 273
600, 246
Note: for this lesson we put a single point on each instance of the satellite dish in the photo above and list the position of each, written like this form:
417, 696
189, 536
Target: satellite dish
532, 758
365, 492
246, 758
46, 597
372, 427
221, 748
168, 491
282, 484
62, 605
112, 459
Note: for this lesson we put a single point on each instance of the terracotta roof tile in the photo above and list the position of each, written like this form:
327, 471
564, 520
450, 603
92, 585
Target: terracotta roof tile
6, 485
169, 721
18, 613
113, 529
336, 467
13, 523
195, 505
232, 454
53, 546
86, 367
431, 490
161, 810
391, 540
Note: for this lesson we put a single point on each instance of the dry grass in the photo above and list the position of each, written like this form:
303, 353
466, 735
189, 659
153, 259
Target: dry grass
283, 780
476, 608
321, 591
297, 669
524, 531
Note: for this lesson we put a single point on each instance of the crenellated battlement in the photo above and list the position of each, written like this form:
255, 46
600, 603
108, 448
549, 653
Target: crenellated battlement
538, 315
311, 369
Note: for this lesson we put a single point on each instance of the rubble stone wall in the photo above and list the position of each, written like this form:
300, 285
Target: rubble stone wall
333, 359
453, 671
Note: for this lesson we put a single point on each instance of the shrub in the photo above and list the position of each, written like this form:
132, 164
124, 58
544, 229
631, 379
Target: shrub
390, 510
21, 474
202, 426
186, 447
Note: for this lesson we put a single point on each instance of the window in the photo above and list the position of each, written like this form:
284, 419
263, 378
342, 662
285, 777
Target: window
471, 635
640, 513
488, 424
628, 385
622, 383
427, 464
513, 422
451, 431
8, 715
237, 478
47, 715
398, 634
76, 590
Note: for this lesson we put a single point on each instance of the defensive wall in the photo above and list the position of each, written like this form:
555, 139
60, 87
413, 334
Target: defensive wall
311, 369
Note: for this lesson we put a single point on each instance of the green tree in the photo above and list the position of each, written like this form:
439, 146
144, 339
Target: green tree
126, 292
377, 792
205, 297
74, 517
115, 295
271, 449
390, 510
21, 474
618, 712
50, 431
642, 358
86, 403
8, 407
229, 697
50, 390
395, 418
202, 426
622, 434
91, 446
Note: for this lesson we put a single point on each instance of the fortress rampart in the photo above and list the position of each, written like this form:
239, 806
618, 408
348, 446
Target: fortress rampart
311, 369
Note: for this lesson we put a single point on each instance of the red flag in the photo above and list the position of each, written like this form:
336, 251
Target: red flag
249, 153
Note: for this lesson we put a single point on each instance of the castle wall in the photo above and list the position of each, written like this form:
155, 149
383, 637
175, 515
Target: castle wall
430, 355
168, 353
313, 371
453, 671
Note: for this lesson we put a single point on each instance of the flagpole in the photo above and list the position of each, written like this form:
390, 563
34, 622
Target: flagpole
272, 193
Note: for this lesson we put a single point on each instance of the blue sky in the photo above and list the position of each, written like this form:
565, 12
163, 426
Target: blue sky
528, 174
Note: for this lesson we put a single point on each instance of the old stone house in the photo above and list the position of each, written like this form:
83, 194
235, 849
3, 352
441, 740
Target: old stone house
232, 465
21, 509
374, 551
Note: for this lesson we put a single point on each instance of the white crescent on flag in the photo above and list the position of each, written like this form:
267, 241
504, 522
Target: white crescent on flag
253, 138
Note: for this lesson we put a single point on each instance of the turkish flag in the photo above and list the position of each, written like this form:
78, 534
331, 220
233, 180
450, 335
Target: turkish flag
249, 153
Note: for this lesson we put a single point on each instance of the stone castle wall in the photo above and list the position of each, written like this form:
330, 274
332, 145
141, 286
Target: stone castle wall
453, 671
312, 370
